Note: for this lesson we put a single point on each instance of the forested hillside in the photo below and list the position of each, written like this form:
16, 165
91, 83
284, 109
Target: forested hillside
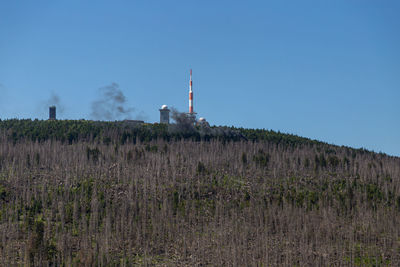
85, 193
119, 132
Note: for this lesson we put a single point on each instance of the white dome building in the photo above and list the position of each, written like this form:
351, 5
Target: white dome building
202, 122
164, 114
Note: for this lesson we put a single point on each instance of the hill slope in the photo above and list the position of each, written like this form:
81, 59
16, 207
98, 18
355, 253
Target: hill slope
91, 193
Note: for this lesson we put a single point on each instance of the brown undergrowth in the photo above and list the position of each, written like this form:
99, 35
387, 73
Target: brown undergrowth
186, 203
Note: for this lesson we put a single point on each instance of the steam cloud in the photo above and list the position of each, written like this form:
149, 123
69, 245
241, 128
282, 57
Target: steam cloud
111, 105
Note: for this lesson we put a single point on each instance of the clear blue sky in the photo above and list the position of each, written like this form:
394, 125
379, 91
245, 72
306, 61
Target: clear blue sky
327, 70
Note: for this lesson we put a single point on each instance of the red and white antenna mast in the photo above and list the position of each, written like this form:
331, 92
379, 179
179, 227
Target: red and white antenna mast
190, 94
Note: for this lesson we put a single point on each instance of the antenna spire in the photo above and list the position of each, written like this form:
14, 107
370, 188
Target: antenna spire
190, 94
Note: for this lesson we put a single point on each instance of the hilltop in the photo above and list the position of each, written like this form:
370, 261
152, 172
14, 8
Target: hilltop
69, 131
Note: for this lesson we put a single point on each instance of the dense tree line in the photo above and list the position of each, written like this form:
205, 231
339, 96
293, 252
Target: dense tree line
112, 198
119, 132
